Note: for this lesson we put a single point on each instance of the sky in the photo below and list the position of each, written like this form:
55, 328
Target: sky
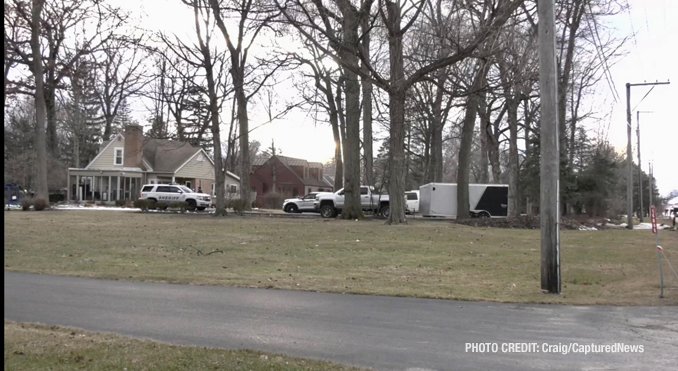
652, 56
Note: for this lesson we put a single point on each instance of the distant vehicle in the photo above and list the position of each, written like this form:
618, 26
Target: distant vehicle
485, 200
412, 202
301, 204
330, 205
170, 193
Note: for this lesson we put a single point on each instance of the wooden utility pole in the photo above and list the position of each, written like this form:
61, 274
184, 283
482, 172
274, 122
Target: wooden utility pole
629, 153
550, 153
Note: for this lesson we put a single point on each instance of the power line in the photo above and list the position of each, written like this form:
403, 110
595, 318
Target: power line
641, 101
599, 50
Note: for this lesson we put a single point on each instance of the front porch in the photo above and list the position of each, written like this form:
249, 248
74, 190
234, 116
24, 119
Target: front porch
105, 186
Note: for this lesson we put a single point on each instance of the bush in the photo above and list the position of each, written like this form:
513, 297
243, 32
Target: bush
273, 200
238, 205
160, 205
120, 203
26, 204
179, 205
40, 204
56, 197
144, 205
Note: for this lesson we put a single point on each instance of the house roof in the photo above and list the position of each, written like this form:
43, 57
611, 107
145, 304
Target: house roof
164, 155
291, 161
315, 165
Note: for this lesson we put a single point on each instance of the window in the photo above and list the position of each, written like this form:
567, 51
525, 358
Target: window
118, 156
234, 189
363, 190
147, 188
167, 189
411, 196
186, 189
188, 184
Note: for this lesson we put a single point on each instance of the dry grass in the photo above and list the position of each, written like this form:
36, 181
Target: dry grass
423, 259
40, 347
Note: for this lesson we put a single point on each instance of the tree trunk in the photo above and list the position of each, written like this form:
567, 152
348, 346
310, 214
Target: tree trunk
243, 123
513, 198
367, 107
396, 95
50, 107
485, 123
216, 140
352, 207
528, 152
40, 110
463, 169
334, 122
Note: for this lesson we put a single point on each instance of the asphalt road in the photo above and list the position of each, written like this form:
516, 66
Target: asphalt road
384, 333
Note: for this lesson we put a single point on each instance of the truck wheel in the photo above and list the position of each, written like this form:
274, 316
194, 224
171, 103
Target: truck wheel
201, 208
292, 208
384, 211
191, 205
328, 211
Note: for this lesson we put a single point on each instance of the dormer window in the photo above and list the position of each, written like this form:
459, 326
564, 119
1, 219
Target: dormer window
118, 156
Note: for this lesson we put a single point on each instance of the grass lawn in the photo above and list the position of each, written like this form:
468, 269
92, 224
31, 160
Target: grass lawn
40, 347
423, 259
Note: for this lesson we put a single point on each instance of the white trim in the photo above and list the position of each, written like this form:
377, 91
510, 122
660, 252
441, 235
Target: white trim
115, 156
114, 139
233, 175
145, 163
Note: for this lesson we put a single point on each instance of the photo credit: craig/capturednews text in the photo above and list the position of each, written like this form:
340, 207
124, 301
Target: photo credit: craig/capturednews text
562, 348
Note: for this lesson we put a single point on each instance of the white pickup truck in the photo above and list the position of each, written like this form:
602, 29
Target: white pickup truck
330, 205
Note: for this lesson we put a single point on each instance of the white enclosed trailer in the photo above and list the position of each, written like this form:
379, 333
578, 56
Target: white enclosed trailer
485, 200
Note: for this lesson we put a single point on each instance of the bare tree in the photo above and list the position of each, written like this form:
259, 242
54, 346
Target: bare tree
40, 110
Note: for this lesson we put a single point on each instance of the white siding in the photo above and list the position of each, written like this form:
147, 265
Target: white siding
106, 158
197, 169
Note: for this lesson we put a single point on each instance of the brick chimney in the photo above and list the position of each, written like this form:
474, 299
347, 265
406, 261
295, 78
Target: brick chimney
134, 142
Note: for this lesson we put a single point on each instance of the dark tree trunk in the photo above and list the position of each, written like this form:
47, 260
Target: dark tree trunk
396, 95
50, 107
367, 106
485, 125
40, 110
352, 207
463, 169
513, 191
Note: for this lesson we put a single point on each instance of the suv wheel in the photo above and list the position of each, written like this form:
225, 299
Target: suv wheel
292, 208
191, 205
327, 211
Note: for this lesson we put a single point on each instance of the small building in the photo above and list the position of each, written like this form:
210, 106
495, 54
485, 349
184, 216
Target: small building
293, 176
130, 159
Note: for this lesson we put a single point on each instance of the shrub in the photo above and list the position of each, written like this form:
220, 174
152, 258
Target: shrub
161, 205
40, 204
179, 205
56, 197
144, 205
26, 204
238, 205
120, 203
273, 200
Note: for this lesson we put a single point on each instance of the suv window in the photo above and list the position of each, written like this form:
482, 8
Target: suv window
147, 188
411, 196
167, 189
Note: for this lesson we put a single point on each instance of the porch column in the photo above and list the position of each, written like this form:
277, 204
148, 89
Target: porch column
108, 191
77, 187
68, 186
173, 178
117, 189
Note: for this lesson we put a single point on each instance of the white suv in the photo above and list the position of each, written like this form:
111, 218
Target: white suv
171, 193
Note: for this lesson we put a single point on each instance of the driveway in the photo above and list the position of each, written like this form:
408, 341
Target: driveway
384, 333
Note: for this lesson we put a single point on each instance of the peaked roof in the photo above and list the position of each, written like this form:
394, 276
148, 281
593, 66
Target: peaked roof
291, 161
164, 155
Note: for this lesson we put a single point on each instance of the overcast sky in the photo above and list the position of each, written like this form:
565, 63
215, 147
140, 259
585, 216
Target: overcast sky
651, 56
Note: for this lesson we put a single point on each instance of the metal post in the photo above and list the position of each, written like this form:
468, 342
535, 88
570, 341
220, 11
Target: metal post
550, 154
640, 171
649, 165
629, 161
